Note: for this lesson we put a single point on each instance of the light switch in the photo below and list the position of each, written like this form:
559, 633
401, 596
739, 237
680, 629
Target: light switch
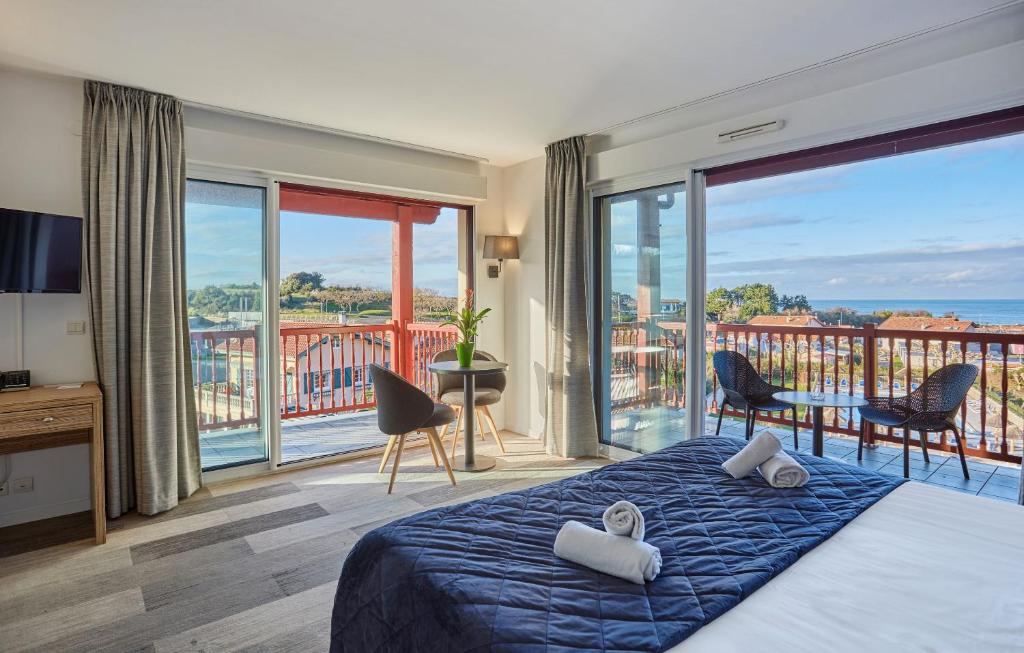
76, 328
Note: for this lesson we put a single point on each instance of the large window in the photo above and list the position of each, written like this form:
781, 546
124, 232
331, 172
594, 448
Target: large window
863, 277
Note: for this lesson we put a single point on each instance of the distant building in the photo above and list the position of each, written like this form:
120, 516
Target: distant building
785, 320
671, 305
318, 369
938, 324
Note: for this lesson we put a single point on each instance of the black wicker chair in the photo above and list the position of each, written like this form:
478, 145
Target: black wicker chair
745, 390
931, 408
402, 408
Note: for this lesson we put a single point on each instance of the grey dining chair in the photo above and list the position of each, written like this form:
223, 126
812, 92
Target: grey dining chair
402, 408
489, 388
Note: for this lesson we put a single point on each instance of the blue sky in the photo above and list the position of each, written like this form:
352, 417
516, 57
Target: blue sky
224, 242
623, 252
357, 252
941, 224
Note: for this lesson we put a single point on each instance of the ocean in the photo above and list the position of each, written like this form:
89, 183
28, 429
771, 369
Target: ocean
982, 311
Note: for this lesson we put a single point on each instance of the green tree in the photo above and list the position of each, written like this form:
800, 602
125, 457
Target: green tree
757, 299
430, 303
720, 302
302, 282
210, 300
794, 304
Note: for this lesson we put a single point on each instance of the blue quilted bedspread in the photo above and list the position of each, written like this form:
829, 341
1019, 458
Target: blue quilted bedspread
481, 576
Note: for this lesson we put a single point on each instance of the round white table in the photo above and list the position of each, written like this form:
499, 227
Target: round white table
470, 462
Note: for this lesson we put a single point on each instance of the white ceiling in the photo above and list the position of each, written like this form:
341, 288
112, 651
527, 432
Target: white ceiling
498, 79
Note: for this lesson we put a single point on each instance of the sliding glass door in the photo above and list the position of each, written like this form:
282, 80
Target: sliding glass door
224, 262
641, 254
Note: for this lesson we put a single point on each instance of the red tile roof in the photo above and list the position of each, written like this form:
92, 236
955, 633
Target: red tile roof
913, 323
785, 320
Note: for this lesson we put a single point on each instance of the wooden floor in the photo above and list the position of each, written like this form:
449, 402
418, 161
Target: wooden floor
251, 565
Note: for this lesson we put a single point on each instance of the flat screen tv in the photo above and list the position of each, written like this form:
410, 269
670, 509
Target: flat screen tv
40, 252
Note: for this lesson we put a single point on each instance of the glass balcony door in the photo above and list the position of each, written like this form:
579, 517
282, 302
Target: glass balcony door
224, 263
642, 357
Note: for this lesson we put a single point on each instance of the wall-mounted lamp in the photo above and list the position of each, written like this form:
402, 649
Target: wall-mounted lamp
501, 248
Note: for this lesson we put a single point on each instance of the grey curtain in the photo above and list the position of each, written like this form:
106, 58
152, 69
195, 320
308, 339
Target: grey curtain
571, 424
133, 185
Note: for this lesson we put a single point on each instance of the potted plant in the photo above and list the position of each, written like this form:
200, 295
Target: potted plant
466, 320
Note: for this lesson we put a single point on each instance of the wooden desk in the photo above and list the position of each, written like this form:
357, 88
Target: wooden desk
41, 417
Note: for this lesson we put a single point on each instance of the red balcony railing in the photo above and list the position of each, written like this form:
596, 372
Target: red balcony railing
323, 368
648, 363
874, 362
424, 341
225, 375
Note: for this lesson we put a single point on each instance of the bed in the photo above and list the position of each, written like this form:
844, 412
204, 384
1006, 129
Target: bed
852, 559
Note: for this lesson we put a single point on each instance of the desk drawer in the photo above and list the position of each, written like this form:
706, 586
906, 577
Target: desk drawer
45, 420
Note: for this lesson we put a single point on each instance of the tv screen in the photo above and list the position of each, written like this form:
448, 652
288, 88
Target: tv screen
40, 252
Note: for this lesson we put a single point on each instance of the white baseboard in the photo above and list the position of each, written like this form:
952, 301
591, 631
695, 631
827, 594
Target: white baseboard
616, 453
35, 513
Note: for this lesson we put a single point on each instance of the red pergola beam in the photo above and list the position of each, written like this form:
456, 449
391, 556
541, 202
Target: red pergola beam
326, 202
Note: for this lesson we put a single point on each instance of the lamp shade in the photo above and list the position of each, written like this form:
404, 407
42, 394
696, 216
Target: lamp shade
501, 247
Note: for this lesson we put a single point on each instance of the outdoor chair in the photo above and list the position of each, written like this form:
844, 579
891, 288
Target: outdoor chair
402, 408
489, 388
745, 390
931, 408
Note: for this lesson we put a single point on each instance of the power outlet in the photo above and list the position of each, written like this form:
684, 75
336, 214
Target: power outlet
22, 485
5, 488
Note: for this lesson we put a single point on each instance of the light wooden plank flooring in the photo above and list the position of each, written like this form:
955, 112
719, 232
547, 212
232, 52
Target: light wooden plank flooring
250, 565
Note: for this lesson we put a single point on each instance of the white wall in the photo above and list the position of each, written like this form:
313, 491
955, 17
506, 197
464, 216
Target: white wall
40, 133
975, 83
288, 150
525, 335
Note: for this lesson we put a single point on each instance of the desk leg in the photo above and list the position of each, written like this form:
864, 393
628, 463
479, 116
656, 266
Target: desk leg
818, 416
471, 462
97, 477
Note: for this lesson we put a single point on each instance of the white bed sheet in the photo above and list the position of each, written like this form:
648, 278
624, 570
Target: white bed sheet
924, 569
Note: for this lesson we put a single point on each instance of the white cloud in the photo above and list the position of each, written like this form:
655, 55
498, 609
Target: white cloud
759, 221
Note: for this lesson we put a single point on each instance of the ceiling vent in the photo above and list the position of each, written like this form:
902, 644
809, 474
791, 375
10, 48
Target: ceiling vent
753, 130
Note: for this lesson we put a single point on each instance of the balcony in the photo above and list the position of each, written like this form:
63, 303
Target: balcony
327, 406
991, 479
325, 396
648, 383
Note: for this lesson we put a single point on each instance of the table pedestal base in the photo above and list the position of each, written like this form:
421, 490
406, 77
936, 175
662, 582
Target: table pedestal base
818, 433
480, 463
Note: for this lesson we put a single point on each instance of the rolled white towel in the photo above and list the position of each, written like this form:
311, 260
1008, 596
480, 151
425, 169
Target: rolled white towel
761, 448
624, 518
781, 470
622, 557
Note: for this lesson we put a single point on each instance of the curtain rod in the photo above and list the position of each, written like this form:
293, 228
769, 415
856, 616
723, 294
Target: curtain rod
331, 130
814, 66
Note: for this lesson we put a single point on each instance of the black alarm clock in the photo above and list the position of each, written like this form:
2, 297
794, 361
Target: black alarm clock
14, 380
